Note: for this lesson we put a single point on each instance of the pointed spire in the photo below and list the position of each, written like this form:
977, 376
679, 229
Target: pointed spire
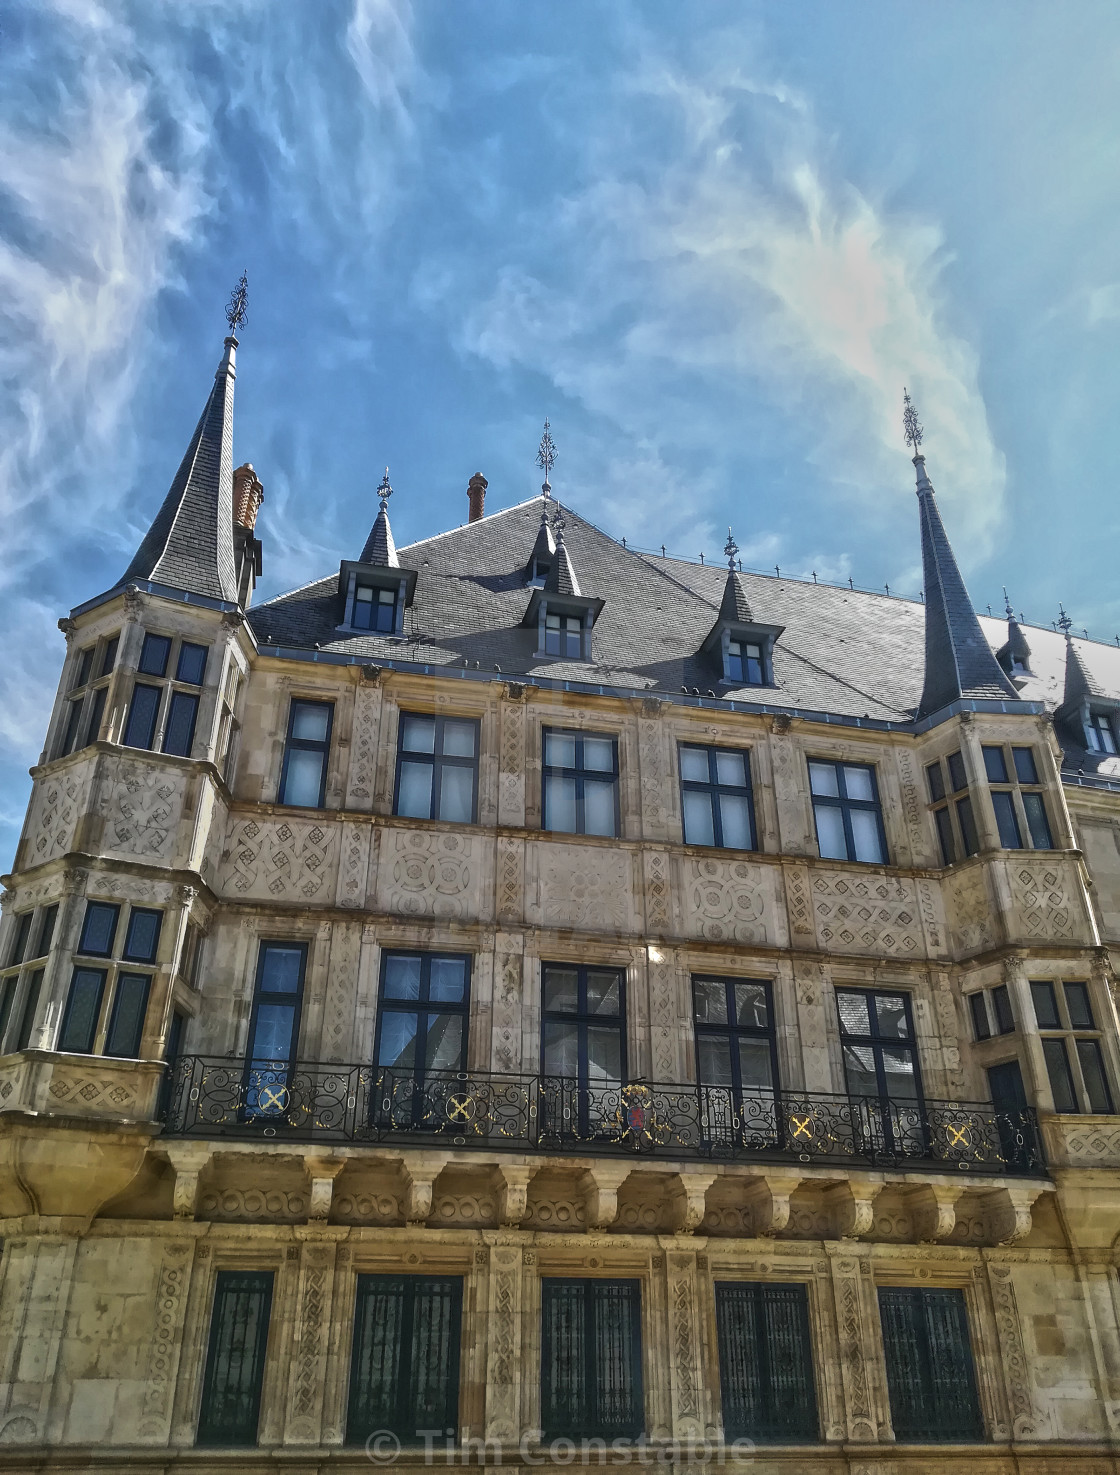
380, 548
189, 546
544, 549
734, 606
1016, 654
546, 459
959, 660
1081, 684
562, 575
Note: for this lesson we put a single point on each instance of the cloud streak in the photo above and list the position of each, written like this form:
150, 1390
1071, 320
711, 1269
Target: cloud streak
734, 259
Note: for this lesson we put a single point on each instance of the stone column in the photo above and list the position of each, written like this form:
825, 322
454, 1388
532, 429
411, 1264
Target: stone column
311, 1336
34, 1299
688, 1403
857, 1323
505, 1354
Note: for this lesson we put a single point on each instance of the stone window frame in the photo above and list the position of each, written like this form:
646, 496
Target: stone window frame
1070, 1034
114, 965
82, 717
170, 686
20, 995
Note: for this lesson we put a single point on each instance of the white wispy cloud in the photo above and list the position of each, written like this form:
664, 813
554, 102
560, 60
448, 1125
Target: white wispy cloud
732, 260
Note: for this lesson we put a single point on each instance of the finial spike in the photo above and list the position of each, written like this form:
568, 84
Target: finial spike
546, 458
384, 490
730, 548
1065, 624
911, 426
1007, 604
237, 309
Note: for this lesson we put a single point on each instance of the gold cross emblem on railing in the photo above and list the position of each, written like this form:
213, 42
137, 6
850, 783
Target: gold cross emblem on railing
802, 1126
460, 1108
958, 1136
273, 1100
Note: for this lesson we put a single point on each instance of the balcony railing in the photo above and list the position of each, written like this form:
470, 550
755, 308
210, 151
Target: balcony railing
312, 1102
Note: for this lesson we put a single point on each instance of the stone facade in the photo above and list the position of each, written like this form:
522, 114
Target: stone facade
118, 1215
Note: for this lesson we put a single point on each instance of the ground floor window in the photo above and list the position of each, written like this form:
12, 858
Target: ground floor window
231, 1390
404, 1371
930, 1372
765, 1362
591, 1359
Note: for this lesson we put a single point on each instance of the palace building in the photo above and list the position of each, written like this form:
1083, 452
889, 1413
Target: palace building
520, 999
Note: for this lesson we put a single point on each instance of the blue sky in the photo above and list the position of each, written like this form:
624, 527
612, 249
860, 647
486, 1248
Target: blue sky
710, 242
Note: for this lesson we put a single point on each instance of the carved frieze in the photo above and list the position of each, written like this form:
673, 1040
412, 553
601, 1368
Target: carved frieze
280, 859
867, 914
141, 804
56, 807
427, 874
588, 887
729, 900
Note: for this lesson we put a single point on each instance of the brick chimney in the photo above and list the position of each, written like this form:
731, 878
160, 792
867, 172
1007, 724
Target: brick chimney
248, 494
476, 491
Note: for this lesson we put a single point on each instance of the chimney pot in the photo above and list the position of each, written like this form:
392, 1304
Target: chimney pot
248, 494
476, 492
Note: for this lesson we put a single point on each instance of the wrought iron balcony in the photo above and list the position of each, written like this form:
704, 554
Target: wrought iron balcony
312, 1102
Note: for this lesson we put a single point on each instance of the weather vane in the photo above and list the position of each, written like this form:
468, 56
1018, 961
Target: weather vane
237, 312
385, 491
730, 548
1064, 621
910, 424
546, 458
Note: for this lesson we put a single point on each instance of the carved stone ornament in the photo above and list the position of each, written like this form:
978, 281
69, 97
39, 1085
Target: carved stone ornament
67, 626
232, 619
652, 706
780, 723
133, 602
514, 691
371, 675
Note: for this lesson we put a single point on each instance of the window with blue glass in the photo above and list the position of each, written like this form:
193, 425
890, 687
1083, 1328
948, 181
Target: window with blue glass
437, 768
375, 609
421, 1045
274, 1027
580, 783
846, 808
303, 776
717, 806
184, 661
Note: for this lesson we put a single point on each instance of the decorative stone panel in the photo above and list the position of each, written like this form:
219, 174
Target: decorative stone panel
430, 874
1046, 900
588, 887
280, 859
79, 1085
56, 806
971, 923
141, 803
363, 747
353, 867
867, 914
731, 901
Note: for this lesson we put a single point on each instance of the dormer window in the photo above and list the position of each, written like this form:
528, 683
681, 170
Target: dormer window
563, 636
375, 609
1099, 733
538, 572
744, 662
373, 597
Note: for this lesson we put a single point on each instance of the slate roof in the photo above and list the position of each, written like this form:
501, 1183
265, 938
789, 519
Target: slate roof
843, 651
561, 576
190, 544
735, 606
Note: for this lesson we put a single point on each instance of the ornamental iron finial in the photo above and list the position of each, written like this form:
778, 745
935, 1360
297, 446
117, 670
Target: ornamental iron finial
1065, 624
546, 458
384, 490
730, 548
237, 310
911, 426
1007, 604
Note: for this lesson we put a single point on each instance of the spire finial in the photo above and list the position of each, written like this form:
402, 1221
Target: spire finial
911, 426
546, 458
1065, 624
384, 490
237, 309
730, 548
1007, 604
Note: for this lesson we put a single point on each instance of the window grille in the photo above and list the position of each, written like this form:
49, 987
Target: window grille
404, 1370
231, 1392
591, 1372
930, 1372
766, 1362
